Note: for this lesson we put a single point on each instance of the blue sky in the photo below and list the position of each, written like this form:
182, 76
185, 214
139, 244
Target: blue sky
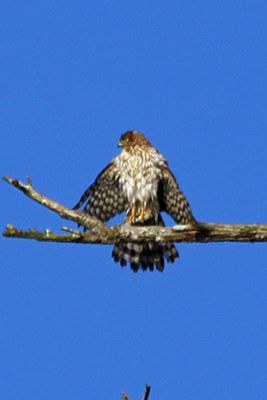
192, 77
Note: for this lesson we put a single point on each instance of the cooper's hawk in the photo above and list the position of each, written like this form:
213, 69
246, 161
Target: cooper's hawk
139, 182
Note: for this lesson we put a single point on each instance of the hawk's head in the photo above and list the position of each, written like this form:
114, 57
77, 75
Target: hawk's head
133, 138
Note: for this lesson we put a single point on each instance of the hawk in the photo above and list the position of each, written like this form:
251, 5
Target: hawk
138, 182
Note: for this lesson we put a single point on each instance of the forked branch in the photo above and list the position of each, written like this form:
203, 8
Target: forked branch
101, 233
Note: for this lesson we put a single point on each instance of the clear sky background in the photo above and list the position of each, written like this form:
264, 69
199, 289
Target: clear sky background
75, 75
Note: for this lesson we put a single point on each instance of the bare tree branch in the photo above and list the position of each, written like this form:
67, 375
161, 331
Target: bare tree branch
145, 397
101, 233
81, 218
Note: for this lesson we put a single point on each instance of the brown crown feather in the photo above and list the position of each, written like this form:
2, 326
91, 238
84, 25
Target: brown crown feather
132, 138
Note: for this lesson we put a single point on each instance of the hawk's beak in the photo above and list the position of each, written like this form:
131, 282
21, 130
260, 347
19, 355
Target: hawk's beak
120, 144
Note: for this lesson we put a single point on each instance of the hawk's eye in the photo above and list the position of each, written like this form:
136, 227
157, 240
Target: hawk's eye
125, 140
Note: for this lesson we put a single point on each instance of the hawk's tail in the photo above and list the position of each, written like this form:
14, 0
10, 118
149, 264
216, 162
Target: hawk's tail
146, 255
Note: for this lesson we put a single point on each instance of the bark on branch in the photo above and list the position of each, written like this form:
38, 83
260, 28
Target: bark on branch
101, 233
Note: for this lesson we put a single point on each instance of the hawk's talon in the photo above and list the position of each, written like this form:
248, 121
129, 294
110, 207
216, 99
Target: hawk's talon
142, 214
134, 214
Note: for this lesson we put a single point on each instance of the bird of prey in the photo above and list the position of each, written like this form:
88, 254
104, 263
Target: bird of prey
138, 182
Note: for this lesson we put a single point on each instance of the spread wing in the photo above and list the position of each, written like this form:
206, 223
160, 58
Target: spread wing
105, 197
172, 200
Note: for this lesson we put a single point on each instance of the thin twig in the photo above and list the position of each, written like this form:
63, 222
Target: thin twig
145, 397
147, 392
124, 396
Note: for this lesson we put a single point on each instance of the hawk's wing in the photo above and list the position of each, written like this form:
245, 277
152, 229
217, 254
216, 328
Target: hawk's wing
172, 199
105, 197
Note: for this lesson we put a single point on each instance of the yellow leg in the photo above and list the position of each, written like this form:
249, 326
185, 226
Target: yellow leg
129, 218
134, 214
